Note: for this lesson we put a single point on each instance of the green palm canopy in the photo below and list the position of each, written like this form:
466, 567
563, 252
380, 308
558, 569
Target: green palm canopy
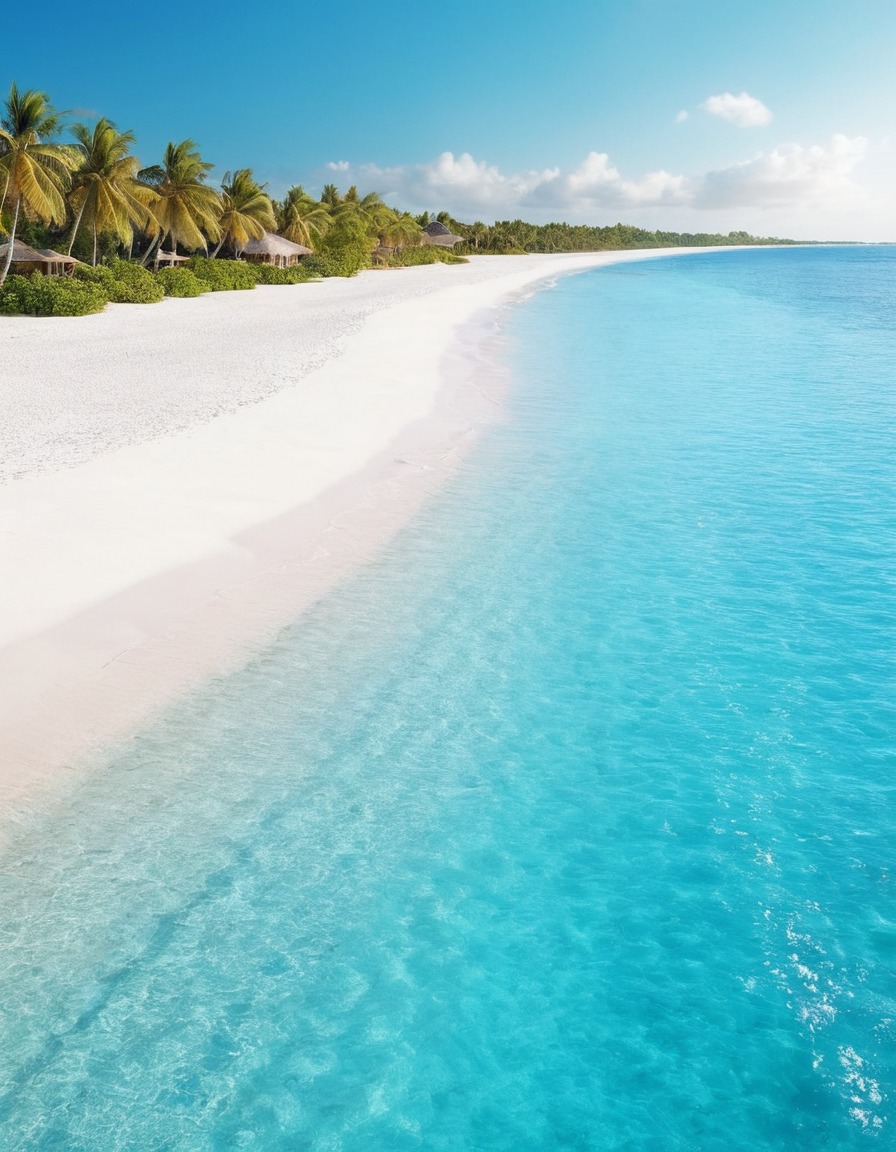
246, 211
34, 173
330, 196
301, 218
186, 209
368, 211
399, 230
106, 194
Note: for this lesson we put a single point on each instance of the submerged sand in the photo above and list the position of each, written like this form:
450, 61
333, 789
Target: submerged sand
179, 481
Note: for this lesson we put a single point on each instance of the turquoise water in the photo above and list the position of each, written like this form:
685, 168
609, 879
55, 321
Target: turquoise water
568, 824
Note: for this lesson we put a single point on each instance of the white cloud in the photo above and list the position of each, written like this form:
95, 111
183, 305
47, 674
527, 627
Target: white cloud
461, 179
744, 110
598, 183
790, 174
791, 179
480, 180
682, 116
339, 166
471, 185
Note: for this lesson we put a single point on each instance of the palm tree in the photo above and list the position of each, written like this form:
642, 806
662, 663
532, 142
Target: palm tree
106, 194
478, 234
330, 196
371, 211
246, 210
35, 174
187, 210
524, 234
502, 238
400, 230
301, 218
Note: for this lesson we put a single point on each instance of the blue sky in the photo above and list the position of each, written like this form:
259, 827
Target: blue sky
778, 117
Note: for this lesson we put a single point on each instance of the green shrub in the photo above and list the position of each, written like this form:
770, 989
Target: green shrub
424, 254
320, 264
136, 292
223, 275
99, 275
180, 282
299, 274
132, 284
50, 296
347, 246
268, 274
336, 263
347, 261
122, 281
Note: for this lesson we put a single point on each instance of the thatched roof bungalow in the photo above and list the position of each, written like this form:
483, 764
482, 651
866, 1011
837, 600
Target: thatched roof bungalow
276, 250
437, 233
170, 259
64, 264
26, 260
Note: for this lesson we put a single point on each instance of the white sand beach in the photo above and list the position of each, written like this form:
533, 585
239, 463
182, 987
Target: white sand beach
178, 481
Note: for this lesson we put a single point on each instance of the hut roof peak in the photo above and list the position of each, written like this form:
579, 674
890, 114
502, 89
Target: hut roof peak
273, 245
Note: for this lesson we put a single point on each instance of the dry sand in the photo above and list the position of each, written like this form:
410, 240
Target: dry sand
178, 481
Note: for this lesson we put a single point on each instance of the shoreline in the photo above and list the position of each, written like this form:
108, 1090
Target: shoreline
138, 574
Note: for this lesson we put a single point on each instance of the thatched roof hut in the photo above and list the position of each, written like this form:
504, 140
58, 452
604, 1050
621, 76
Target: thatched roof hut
169, 259
437, 233
276, 250
26, 260
58, 260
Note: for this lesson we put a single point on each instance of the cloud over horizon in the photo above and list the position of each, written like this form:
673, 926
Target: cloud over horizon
790, 174
745, 110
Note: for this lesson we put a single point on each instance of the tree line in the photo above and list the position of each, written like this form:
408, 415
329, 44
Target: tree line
510, 236
91, 197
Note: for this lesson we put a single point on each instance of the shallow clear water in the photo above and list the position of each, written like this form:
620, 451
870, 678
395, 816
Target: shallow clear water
569, 823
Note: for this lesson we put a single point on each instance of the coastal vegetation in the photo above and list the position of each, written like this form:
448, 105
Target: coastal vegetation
105, 196
50, 296
518, 236
180, 282
35, 172
90, 198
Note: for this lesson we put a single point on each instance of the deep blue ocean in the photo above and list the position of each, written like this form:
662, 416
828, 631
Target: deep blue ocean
569, 823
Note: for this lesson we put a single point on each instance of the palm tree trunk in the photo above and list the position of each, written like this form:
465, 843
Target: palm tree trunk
77, 225
220, 246
12, 240
172, 243
94, 244
149, 251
